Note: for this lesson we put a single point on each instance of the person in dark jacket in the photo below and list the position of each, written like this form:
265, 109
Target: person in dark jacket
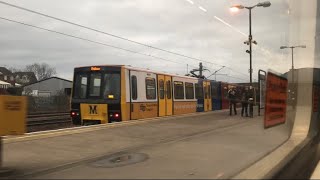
244, 102
232, 99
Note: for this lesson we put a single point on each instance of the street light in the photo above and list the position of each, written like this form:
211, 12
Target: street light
292, 84
238, 6
293, 47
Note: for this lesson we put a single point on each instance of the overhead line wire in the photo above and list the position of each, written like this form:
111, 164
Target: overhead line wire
88, 40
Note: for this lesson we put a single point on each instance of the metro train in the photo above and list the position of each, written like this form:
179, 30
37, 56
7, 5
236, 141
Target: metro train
113, 93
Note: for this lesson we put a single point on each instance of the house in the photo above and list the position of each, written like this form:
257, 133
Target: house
24, 78
4, 85
7, 76
48, 87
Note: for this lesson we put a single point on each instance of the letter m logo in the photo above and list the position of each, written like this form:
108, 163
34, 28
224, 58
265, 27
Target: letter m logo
93, 109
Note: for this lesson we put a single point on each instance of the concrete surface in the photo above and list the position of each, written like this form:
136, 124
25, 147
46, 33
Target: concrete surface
210, 145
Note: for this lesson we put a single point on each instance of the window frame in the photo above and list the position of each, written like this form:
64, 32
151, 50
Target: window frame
155, 88
169, 89
77, 90
91, 88
182, 97
134, 89
199, 86
186, 92
161, 89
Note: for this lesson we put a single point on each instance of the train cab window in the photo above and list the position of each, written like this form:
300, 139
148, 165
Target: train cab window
134, 88
199, 91
111, 86
80, 89
189, 91
169, 90
95, 85
178, 90
161, 89
150, 88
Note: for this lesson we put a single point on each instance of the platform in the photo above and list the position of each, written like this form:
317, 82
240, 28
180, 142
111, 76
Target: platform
201, 145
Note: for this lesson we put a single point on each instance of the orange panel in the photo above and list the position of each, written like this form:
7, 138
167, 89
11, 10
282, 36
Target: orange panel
144, 110
184, 107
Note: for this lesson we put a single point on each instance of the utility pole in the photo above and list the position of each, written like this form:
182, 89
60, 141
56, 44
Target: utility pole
200, 70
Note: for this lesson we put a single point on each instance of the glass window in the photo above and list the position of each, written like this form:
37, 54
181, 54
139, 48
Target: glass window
205, 91
199, 91
134, 87
178, 90
111, 86
95, 85
189, 91
80, 88
161, 89
209, 92
5, 78
169, 90
150, 88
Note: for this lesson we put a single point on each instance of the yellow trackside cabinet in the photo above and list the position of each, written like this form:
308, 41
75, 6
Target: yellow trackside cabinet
94, 112
13, 111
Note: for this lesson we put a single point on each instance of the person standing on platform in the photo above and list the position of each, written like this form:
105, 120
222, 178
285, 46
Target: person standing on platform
232, 100
244, 102
250, 100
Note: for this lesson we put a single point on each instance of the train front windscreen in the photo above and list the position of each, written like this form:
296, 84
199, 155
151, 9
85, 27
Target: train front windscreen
97, 85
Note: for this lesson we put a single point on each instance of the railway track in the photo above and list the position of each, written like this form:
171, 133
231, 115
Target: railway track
48, 118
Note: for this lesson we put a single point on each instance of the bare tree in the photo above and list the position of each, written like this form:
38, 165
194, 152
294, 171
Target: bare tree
13, 69
42, 71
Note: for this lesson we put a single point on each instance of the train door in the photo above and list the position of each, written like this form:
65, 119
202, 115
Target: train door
216, 102
134, 94
207, 96
168, 95
161, 95
200, 95
209, 100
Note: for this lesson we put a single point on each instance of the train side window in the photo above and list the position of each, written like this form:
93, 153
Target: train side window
161, 89
189, 90
199, 91
150, 88
178, 90
134, 87
169, 90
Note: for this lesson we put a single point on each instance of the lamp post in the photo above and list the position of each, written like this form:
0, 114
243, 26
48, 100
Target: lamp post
292, 66
293, 47
235, 8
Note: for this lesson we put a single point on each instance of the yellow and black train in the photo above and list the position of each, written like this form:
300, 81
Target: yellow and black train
112, 93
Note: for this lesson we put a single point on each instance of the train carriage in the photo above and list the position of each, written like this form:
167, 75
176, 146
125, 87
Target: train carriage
103, 94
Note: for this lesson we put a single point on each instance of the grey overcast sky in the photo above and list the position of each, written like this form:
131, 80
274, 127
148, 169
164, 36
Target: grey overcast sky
175, 25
